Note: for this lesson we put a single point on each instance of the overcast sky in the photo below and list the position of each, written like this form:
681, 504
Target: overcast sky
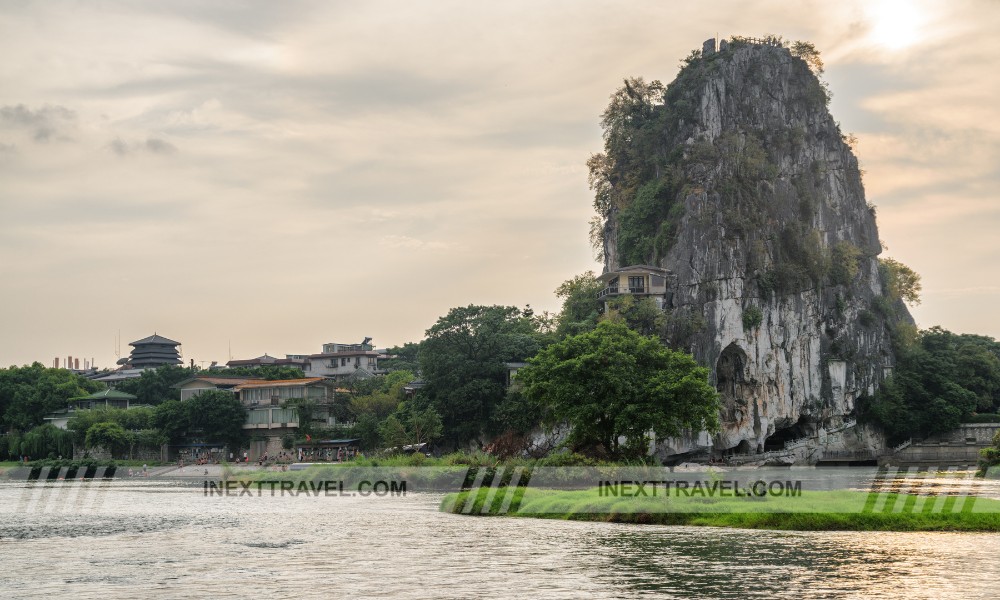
271, 176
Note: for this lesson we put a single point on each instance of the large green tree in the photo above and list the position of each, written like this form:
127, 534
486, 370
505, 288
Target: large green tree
462, 361
156, 386
173, 418
212, 415
28, 393
44, 441
424, 426
900, 281
613, 384
404, 358
110, 436
131, 419
939, 380
264, 372
639, 314
218, 416
581, 307
384, 399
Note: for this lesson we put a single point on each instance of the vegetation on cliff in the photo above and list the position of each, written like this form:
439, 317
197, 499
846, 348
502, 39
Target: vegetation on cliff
654, 158
941, 379
753, 176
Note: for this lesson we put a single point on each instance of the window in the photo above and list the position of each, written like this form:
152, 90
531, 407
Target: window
284, 415
637, 284
257, 416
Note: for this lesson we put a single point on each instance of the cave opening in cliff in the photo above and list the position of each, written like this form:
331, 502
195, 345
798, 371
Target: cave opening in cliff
782, 435
743, 447
729, 371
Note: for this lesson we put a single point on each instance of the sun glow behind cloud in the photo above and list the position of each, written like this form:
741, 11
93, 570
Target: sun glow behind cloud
896, 24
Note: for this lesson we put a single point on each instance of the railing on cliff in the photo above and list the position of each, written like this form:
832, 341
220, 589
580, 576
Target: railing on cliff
842, 426
765, 41
902, 446
851, 455
790, 444
757, 457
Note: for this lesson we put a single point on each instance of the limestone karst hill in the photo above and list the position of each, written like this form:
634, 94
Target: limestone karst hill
735, 187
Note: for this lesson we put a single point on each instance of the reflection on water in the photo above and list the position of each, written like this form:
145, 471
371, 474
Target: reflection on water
166, 539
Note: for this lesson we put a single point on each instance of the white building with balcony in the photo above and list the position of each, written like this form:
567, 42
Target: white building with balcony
341, 361
635, 280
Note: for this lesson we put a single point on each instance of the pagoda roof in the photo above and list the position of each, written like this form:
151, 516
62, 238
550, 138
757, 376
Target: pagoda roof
155, 339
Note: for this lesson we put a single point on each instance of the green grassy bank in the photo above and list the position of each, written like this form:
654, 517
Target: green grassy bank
808, 511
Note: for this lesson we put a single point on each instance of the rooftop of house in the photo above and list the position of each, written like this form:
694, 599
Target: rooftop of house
265, 359
344, 354
217, 381
282, 383
108, 394
631, 269
120, 375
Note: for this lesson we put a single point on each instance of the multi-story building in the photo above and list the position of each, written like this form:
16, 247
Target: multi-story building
337, 361
272, 414
154, 351
271, 406
147, 353
344, 364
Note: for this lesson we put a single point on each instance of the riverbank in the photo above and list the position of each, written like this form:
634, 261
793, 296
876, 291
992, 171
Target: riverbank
841, 510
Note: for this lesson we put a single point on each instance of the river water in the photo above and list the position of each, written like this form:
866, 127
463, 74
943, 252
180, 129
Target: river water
158, 538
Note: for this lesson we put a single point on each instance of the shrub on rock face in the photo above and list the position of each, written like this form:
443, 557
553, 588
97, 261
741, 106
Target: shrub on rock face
752, 318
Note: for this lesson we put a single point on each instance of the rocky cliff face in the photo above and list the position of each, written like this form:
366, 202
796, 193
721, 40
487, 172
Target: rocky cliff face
754, 204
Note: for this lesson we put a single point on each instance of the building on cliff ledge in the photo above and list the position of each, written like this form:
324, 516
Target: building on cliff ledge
634, 280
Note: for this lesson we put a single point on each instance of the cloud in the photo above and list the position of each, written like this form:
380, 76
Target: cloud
158, 146
312, 144
411, 243
151, 145
43, 124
